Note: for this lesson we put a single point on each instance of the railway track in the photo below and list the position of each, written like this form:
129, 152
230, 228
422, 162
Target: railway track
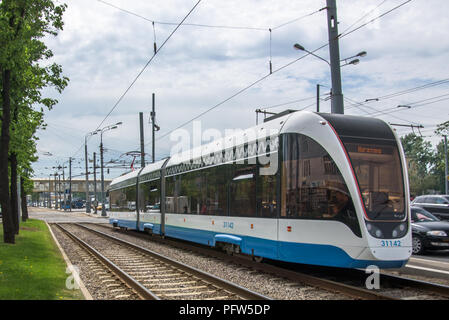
151, 275
349, 282
112, 285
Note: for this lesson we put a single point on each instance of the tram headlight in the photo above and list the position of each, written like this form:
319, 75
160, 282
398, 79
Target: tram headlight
400, 230
374, 231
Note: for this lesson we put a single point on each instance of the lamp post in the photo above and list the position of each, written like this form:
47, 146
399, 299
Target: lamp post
87, 168
49, 191
110, 127
446, 177
297, 46
336, 93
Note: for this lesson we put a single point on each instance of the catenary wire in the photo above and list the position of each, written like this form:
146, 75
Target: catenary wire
277, 70
144, 68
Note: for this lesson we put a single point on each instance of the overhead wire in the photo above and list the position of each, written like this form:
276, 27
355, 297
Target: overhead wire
412, 90
229, 27
374, 19
144, 68
414, 105
279, 69
364, 16
239, 92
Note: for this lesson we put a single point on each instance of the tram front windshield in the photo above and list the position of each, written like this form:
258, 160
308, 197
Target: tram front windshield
377, 167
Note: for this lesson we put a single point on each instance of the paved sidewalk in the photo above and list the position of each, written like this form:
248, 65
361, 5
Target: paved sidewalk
53, 215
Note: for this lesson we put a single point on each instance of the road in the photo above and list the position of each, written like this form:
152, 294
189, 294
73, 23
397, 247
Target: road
57, 216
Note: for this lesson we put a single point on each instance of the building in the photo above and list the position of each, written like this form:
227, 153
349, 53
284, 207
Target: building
55, 189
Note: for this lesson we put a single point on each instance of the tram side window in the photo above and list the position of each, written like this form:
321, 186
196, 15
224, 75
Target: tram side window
115, 197
198, 192
266, 195
123, 199
312, 185
150, 196
243, 190
192, 193
173, 201
216, 191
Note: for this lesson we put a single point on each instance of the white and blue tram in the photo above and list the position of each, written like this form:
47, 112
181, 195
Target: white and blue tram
311, 188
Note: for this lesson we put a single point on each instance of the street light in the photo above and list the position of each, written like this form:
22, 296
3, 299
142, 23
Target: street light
360, 54
297, 46
87, 169
110, 127
336, 93
353, 62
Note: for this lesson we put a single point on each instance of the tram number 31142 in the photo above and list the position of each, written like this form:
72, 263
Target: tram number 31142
390, 243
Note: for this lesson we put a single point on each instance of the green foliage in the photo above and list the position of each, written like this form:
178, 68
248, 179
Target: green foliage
24, 24
23, 76
443, 129
425, 163
419, 153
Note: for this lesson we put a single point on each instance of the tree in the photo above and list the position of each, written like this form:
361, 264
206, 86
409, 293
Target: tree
443, 129
440, 163
23, 24
438, 167
419, 156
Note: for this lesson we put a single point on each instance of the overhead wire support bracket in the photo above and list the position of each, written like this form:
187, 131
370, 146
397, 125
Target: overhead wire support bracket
412, 126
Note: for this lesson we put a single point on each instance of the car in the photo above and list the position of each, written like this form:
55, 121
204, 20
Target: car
438, 205
428, 232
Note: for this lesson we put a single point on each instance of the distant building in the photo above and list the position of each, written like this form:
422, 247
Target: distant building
45, 187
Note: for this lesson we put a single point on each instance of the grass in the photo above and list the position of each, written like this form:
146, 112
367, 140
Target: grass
33, 268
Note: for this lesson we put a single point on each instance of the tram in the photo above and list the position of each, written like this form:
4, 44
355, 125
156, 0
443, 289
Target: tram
309, 188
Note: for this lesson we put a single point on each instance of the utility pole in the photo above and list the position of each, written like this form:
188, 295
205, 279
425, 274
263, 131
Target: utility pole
103, 198
49, 192
103, 209
59, 190
445, 167
70, 184
64, 187
56, 195
87, 177
317, 98
153, 119
334, 52
95, 182
142, 147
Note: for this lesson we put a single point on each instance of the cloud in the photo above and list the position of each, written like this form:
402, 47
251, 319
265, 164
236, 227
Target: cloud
103, 49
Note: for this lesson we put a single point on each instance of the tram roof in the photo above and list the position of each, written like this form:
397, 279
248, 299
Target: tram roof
239, 137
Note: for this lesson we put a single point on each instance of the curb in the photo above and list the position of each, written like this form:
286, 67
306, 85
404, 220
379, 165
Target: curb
76, 276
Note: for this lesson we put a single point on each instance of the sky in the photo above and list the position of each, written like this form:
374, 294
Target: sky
219, 59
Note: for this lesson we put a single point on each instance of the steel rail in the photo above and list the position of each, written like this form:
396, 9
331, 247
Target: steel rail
221, 283
143, 292
324, 284
352, 291
433, 288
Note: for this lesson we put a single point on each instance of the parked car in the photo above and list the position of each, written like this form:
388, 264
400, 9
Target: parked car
428, 232
438, 205
77, 204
